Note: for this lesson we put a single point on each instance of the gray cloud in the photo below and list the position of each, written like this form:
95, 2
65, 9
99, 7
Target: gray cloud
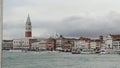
75, 26
67, 17
82, 26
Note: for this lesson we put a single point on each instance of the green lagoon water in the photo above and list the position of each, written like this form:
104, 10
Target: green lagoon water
58, 60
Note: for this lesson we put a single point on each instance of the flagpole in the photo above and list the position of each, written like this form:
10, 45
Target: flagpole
1, 32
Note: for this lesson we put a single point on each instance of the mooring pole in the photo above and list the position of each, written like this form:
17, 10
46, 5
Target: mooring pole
1, 31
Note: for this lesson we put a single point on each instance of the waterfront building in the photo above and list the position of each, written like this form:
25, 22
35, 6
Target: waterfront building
7, 44
51, 44
21, 43
89, 43
68, 44
93, 44
113, 41
59, 43
24, 43
85, 42
77, 44
97, 43
39, 45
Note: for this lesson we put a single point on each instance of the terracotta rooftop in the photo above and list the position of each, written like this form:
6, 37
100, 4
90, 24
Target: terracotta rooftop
95, 40
68, 42
116, 39
84, 38
115, 36
68, 38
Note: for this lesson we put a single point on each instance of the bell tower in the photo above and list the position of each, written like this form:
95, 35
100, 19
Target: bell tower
28, 28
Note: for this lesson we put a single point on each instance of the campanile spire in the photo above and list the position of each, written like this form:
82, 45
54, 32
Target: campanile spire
28, 18
28, 29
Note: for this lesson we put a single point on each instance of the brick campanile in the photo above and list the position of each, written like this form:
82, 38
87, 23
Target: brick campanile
28, 29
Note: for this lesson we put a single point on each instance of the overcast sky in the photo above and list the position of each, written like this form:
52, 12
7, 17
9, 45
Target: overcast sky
71, 18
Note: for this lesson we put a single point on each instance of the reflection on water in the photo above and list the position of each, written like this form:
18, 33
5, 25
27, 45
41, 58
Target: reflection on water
58, 60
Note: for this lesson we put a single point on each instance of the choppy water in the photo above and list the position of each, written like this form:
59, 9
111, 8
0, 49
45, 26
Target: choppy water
58, 60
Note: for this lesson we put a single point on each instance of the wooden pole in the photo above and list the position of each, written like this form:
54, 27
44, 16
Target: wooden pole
1, 32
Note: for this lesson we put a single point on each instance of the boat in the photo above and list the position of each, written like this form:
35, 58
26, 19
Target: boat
103, 51
15, 50
86, 51
75, 51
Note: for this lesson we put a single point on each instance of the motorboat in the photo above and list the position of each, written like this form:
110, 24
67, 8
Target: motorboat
75, 51
102, 51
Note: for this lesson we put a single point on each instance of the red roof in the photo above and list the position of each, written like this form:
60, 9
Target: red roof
84, 38
95, 40
68, 38
115, 36
116, 39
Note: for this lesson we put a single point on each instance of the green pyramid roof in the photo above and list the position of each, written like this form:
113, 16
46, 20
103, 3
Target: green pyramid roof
28, 18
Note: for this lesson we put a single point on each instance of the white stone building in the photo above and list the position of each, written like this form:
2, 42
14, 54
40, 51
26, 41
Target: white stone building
41, 45
85, 42
93, 44
77, 44
20, 43
113, 41
59, 43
